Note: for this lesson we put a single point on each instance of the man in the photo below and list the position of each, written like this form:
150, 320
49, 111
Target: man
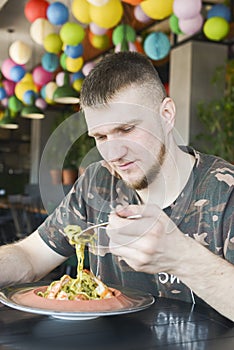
182, 246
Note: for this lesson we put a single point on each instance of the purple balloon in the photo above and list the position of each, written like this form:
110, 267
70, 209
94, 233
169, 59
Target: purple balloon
140, 14
40, 103
95, 29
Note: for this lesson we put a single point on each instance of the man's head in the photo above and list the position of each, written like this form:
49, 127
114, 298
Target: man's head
116, 72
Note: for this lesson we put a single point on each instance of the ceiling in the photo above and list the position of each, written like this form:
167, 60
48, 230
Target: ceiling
15, 26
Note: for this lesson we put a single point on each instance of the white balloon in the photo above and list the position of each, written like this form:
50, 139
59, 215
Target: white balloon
39, 29
20, 52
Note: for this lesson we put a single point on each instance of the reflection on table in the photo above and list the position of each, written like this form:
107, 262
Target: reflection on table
168, 324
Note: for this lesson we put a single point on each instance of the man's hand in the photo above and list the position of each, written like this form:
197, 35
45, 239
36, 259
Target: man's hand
149, 244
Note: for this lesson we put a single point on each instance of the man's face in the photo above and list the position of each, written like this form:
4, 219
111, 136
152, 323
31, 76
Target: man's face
130, 138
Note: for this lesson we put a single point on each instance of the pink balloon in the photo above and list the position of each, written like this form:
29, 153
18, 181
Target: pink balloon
187, 9
6, 67
4, 102
9, 87
41, 76
87, 67
95, 29
40, 103
192, 25
140, 14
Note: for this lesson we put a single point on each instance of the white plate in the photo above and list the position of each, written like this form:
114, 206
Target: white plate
139, 301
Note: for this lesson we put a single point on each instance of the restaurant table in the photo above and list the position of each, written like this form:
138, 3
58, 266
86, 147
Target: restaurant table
167, 324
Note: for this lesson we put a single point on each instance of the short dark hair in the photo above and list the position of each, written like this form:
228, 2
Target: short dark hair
115, 72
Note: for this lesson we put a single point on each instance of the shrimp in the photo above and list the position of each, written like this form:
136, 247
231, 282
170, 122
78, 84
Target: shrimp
102, 290
56, 287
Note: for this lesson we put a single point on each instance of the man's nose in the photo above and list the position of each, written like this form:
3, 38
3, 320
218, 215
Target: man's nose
113, 150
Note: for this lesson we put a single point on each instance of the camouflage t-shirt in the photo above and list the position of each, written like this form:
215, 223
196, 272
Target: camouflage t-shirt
203, 211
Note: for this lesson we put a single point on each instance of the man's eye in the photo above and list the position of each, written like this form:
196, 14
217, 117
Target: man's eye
128, 129
100, 138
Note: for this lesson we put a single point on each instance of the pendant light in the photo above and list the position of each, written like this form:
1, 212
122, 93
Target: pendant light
8, 121
66, 93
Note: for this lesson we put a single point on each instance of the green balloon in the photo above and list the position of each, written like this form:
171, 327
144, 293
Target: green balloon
174, 24
14, 104
216, 28
123, 32
63, 58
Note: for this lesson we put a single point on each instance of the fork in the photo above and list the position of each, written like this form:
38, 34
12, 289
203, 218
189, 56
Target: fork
85, 235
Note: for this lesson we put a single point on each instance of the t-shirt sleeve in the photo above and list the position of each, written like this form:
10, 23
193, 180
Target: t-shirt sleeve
71, 211
228, 224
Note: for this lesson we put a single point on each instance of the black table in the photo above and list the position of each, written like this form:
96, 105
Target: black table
168, 324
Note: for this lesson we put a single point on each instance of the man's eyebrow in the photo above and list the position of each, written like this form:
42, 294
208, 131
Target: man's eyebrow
119, 127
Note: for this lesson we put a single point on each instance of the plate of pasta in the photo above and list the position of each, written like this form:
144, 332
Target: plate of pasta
80, 298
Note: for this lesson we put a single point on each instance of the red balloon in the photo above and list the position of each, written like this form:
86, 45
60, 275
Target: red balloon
36, 9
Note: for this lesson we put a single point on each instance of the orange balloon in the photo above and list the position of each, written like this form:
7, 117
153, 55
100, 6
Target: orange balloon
132, 2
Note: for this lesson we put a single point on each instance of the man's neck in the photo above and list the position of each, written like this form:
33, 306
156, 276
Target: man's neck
171, 180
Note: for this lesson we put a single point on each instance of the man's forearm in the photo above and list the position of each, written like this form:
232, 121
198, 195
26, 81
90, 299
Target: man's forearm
209, 276
14, 265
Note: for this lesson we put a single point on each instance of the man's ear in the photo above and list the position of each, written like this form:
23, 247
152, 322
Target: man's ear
168, 111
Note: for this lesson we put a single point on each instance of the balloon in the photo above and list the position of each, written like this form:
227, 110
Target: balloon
131, 47
14, 104
220, 10
157, 45
77, 84
53, 43
22, 86
108, 15
3, 93
40, 29
35, 9
74, 51
123, 31
74, 64
98, 2
29, 97
40, 103
9, 87
174, 24
6, 67
20, 52
4, 102
95, 29
187, 9
41, 76
216, 28
57, 13
63, 60
140, 15
76, 76
159, 9
192, 25
60, 78
80, 10
50, 61
72, 33
42, 92
100, 42
17, 73
49, 91
87, 68
132, 2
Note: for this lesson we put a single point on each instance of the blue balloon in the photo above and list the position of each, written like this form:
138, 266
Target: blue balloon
17, 73
50, 62
57, 13
220, 10
77, 75
29, 97
2, 93
43, 92
157, 45
74, 51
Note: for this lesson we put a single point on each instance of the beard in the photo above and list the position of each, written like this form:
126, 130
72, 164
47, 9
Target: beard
151, 174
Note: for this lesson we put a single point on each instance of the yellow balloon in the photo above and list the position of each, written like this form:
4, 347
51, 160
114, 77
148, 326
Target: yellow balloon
22, 86
53, 43
108, 15
100, 42
80, 10
77, 84
73, 65
157, 9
